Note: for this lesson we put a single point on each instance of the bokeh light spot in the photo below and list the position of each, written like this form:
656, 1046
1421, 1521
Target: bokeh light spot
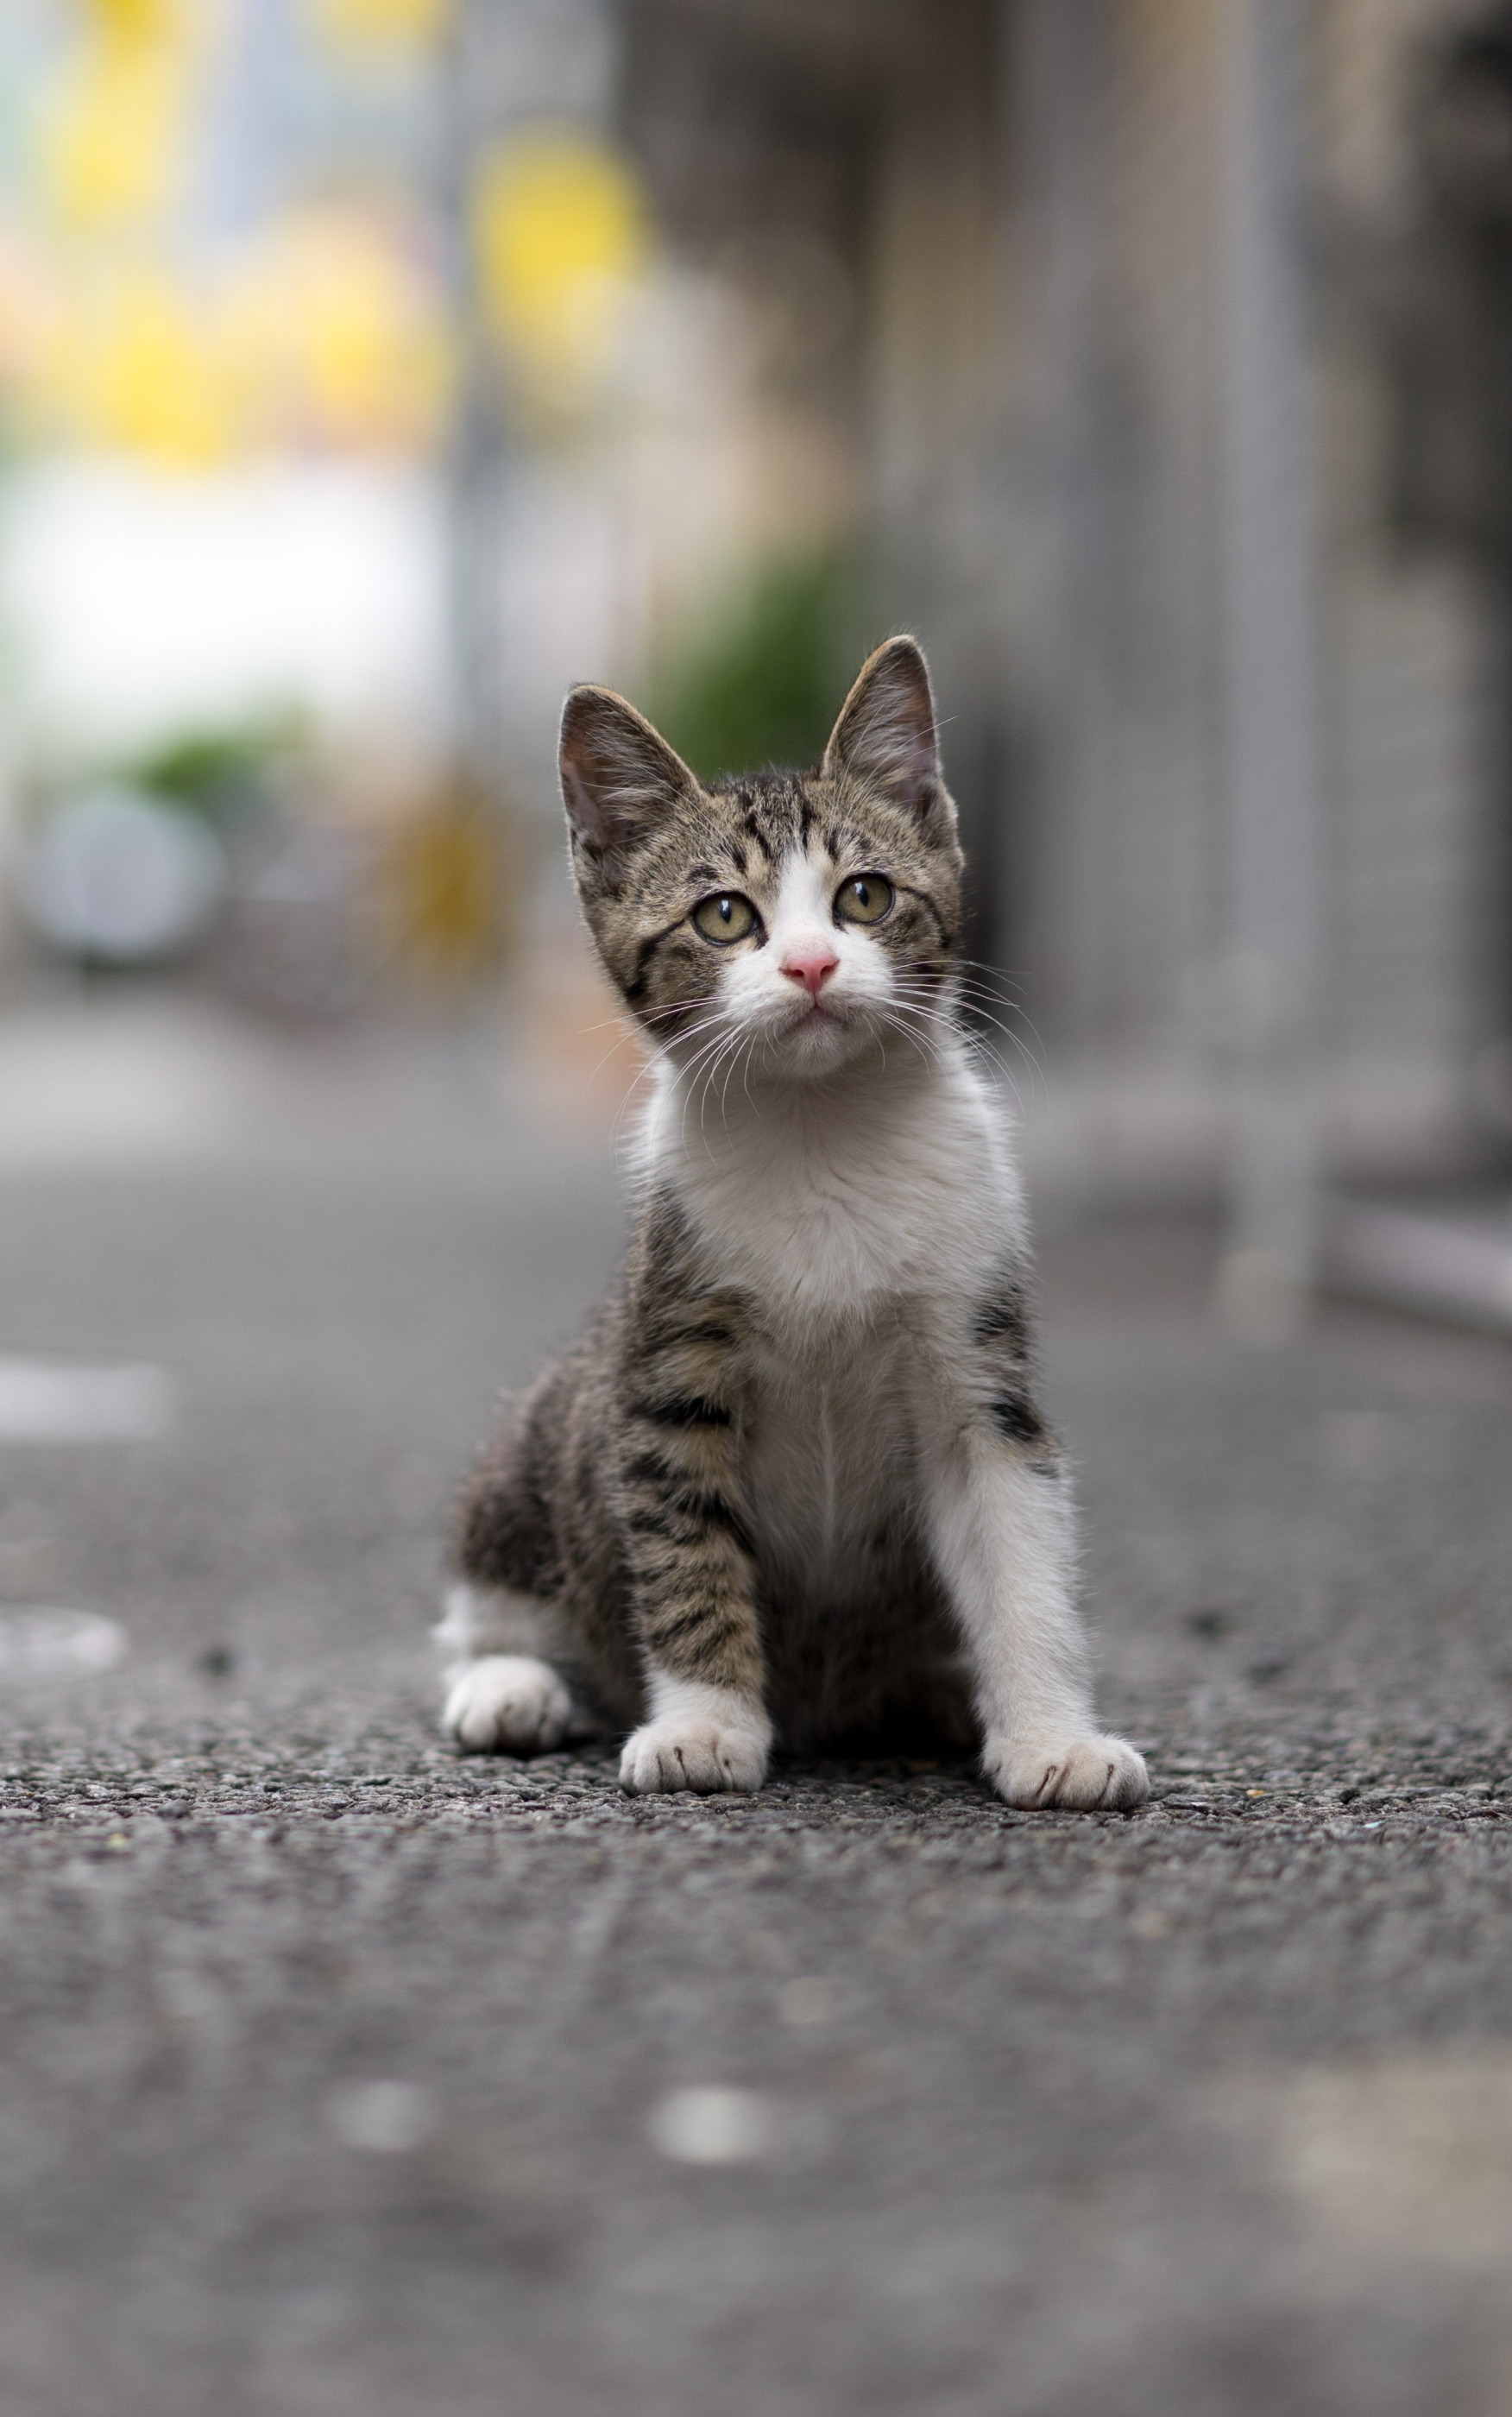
560, 234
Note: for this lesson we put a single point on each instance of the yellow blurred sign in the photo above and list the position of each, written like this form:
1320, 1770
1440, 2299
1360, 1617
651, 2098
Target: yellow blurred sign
444, 886
559, 236
130, 368
382, 25
122, 326
331, 330
137, 21
322, 331
115, 140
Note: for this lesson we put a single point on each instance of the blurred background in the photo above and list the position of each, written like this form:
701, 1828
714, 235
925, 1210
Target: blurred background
368, 370
371, 368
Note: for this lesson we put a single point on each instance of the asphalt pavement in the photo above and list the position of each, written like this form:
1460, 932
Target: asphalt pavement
341, 2077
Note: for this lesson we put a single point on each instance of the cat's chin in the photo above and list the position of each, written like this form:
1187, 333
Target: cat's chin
817, 1044
817, 1047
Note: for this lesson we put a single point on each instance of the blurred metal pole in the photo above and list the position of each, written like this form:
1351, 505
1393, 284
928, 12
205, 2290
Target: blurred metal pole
507, 64
1060, 72
1275, 852
476, 438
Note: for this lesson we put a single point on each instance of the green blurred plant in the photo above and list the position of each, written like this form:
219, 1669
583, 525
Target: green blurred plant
764, 686
217, 772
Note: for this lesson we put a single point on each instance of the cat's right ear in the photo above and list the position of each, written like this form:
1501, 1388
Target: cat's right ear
620, 780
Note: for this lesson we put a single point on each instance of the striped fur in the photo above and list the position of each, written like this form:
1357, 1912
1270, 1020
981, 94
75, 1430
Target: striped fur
795, 1478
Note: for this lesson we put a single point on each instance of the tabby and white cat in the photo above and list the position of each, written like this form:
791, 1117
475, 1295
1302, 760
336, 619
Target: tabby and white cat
793, 1482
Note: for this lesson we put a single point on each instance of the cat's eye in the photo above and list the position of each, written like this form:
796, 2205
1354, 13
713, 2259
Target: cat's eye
725, 917
863, 900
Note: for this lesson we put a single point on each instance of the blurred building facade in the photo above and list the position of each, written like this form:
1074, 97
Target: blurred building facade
410, 358
998, 237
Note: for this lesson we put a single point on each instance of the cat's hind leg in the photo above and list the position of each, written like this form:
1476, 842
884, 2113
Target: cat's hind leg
502, 1696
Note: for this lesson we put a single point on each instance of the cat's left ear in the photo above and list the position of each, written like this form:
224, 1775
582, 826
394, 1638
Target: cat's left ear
620, 780
887, 739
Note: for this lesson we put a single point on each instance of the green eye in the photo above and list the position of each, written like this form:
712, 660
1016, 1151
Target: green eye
725, 917
865, 900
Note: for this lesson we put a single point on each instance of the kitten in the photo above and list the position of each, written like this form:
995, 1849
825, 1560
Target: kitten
793, 1482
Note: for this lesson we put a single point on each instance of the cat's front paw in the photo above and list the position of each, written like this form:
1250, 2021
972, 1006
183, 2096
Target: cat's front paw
1090, 1774
507, 1703
711, 1758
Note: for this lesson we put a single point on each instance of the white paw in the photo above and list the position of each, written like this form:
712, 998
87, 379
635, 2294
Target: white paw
507, 1703
710, 1757
1090, 1774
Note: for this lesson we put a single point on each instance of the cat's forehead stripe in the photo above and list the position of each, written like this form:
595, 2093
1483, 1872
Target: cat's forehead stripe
771, 818
772, 810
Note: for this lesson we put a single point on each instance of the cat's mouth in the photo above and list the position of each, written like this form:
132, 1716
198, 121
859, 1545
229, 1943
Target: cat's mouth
819, 1034
813, 1014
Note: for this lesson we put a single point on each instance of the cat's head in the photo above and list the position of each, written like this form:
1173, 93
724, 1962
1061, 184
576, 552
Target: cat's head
806, 913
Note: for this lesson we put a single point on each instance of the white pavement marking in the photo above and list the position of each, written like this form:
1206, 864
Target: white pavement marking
809, 1998
118, 1090
385, 2118
40, 1644
48, 1401
713, 2125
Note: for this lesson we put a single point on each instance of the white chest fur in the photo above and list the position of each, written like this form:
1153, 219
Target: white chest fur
863, 1221
829, 1453
828, 1203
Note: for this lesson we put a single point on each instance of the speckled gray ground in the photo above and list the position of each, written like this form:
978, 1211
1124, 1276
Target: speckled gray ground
1204, 2110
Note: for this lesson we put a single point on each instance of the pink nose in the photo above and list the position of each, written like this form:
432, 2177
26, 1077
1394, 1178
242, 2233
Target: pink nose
811, 962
